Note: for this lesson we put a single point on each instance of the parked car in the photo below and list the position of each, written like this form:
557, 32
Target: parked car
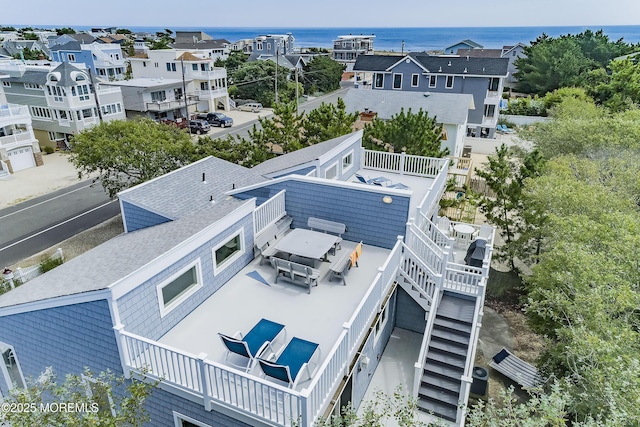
199, 126
217, 119
254, 107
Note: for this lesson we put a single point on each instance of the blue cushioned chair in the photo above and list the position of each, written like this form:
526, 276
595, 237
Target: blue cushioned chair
292, 361
253, 344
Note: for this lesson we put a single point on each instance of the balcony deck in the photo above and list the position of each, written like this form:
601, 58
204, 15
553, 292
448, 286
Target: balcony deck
243, 301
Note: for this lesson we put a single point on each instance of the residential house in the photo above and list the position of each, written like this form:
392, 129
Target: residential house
450, 110
82, 38
105, 60
481, 77
61, 99
19, 148
205, 81
101, 32
16, 48
244, 45
272, 44
155, 98
510, 52
114, 38
154, 298
464, 44
201, 43
346, 49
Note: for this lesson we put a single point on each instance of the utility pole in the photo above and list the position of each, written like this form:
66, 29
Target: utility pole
403, 47
95, 95
277, 54
184, 93
297, 96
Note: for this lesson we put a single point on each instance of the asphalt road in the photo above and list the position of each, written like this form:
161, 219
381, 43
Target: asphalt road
243, 130
38, 224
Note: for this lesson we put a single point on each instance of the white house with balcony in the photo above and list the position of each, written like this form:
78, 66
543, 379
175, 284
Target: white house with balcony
346, 49
105, 60
206, 83
61, 99
194, 262
19, 148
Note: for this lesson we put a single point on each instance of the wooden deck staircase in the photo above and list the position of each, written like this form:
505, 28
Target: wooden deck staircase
439, 391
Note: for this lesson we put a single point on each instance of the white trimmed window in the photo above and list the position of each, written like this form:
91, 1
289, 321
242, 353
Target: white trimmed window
347, 162
380, 324
11, 369
32, 86
397, 81
449, 84
100, 394
6, 84
71, 57
433, 81
179, 287
184, 421
379, 80
228, 251
415, 80
332, 171
259, 46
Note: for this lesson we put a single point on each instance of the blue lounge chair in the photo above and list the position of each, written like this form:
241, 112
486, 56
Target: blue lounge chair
380, 180
399, 186
253, 344
292, 361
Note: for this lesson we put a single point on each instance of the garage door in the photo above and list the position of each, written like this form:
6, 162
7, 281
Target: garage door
21, 158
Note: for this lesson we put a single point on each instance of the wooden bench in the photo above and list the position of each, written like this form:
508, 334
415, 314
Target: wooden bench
516, 369
295, 273
264, 243
327, 226
341, 266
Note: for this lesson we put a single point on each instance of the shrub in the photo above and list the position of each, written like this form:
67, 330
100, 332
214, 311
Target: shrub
49, 264
48, 150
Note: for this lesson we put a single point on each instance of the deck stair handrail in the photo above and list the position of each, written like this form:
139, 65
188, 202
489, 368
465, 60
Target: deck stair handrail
426, 340
426, 250
269, 212
431, 201
420, 274
434, 233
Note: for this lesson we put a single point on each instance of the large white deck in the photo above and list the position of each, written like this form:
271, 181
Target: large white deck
244, 300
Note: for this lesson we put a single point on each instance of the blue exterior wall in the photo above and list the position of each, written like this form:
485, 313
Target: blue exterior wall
367, 218
140, 310
161, 404
373, 350
343, 174
136, 217
67, 338
452, 50
409, 315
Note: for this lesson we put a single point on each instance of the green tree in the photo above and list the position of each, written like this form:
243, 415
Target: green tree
29, 55
620, 88
124, 31
234, 149
65, 30
322, 74
285, 129
30, 36
413, 133
127, 153
255, 80
328, 121
163, 40
110, 401
235, 59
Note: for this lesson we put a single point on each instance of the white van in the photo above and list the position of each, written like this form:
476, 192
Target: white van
254, 107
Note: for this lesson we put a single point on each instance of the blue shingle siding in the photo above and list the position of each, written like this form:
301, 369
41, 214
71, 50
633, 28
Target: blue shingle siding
136, 217
161, 404
140, 310
410, 315
373, 351
366, 216
68, 338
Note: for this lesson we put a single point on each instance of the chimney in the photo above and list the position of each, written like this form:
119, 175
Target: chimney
367, 116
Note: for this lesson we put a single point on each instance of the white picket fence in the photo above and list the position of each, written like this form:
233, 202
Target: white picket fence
22, 275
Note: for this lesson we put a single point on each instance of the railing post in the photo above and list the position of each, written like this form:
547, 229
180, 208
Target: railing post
304, 416
205, 383
403, 156
122, 350
19, 274
60, 254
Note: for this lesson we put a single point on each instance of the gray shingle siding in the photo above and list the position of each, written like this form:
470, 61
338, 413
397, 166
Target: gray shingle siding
410, 315
136, 217
67, 338
139, 309
367, 218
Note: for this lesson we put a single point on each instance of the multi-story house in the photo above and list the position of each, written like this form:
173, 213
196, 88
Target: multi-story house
105, 60
244, 45
154, 299
19, 148
272, 44
201, 43
61, 99
346, 49
510, 52
205, 81
82, 38
464, 44
481, 77
16, 48
155, 98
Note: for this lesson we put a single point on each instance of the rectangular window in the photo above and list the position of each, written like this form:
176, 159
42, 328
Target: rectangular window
259, 46
489, 110
415, 80
494, 84
6, 84
225, 253
31, 86
144, 64
347, 162
177, 93
72, 57
171, 66
204, 85
179, 287
11, 371
86, 113
397, 81
194, 67
332, 171
180, 420
63, 114
203, 67
379, 80
433, 80
158, 96
73, 91
449, 82
99, 392
156, 64
382, 321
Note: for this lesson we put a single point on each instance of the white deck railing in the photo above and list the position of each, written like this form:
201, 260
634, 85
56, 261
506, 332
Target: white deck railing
431, 201
11, 110
464, 279
426, 250
269, 212
16, 137
275, 404
402, 163
424, 347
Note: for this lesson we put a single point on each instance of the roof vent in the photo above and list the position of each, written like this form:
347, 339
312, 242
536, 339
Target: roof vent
449, 64
483, 69
204, 180
440, 69
465, 70
427, 94
467, 57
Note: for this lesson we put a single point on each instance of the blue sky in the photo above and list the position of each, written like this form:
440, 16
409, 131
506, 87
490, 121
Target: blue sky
322, 13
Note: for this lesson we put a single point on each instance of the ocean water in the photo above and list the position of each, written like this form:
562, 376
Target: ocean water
415, 39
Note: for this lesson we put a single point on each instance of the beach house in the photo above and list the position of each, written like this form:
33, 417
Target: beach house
269, 296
